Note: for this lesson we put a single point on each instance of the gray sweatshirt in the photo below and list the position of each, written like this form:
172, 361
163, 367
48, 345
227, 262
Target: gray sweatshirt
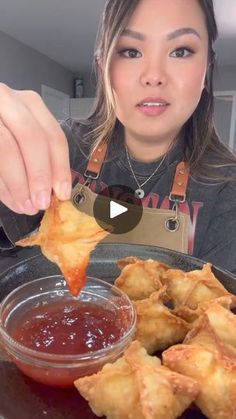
211, 205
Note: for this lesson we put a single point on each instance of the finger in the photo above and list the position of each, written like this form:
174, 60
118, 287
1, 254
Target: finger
14, 185
33, 144
6, 198
57, 142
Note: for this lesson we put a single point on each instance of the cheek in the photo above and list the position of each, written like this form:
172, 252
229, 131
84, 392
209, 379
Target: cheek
193, 82
122, 80
190, 91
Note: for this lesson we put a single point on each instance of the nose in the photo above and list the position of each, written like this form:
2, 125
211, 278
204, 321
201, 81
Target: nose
153, 75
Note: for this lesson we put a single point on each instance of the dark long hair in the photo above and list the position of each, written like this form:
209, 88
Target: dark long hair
199, 131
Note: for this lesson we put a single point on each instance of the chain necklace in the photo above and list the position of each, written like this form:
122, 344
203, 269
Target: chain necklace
139, 193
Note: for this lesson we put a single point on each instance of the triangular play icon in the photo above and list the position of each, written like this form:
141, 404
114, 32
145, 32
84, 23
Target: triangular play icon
116, 209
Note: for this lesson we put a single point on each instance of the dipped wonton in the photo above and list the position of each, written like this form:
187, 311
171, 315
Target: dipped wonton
208, 355
140, 278
157, 328
137, 386
191, 288
67, 236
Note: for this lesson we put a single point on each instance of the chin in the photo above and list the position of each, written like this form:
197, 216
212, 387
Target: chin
151, 138
150, 135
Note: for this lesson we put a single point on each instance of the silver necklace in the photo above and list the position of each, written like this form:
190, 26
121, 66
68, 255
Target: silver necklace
139, 193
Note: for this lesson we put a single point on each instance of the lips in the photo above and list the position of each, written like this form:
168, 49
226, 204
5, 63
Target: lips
153, 106
153, 101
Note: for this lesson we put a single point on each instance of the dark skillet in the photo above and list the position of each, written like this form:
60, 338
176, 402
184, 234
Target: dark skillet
20, 397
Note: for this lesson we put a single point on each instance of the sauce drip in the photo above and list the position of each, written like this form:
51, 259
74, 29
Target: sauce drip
68, 328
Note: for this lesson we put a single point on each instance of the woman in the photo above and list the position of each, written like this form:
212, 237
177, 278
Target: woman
155, 63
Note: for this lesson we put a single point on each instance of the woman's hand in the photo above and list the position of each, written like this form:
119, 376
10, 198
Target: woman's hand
34, 154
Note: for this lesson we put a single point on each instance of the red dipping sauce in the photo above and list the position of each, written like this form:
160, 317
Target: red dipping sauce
56, 338
73, 328
69, 328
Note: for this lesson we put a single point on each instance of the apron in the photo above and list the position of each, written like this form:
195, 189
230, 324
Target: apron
157, 227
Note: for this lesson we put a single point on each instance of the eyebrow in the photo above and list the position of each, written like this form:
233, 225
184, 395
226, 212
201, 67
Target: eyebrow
170, 36
182, 31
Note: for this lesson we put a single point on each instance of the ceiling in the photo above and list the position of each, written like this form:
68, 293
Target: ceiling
65, 30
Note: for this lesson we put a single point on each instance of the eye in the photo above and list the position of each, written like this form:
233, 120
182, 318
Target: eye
129, 53
182, 52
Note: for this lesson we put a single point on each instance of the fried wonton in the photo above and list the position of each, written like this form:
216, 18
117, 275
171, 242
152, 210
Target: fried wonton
67, 236
137, 386
140, 278
157, 328
186, 313
192, 288
222, 323
208, 355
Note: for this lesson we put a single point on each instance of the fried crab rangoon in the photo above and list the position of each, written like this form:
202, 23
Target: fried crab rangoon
208, 354
137, 386
191, 288
139, 278
157, 327
67, 236
186, 313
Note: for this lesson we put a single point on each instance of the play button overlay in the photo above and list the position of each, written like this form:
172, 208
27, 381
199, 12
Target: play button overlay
118, 207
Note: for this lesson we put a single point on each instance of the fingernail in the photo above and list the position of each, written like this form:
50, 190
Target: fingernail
64, 190
28, 208
17, 208
42, 200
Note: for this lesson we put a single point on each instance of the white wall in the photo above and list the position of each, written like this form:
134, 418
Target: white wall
225, 111
225, 78
22, 67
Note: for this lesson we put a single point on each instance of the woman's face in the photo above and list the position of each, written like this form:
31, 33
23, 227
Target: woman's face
158, 68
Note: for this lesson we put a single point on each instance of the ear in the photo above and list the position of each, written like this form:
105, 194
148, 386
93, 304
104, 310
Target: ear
204, 86
99, 60
100, 63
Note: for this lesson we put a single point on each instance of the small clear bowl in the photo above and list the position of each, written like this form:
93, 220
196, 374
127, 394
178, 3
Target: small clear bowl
61, 370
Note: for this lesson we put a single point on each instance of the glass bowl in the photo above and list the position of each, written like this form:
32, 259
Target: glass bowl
40, 328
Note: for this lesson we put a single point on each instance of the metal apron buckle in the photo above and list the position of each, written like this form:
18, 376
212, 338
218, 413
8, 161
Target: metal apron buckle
172, 224
178, 195
78, 196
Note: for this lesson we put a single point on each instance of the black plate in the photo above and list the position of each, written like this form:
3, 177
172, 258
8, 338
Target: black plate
22, 397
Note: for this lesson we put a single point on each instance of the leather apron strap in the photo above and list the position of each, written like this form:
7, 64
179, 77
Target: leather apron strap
163, 222
96, 161
180, 183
